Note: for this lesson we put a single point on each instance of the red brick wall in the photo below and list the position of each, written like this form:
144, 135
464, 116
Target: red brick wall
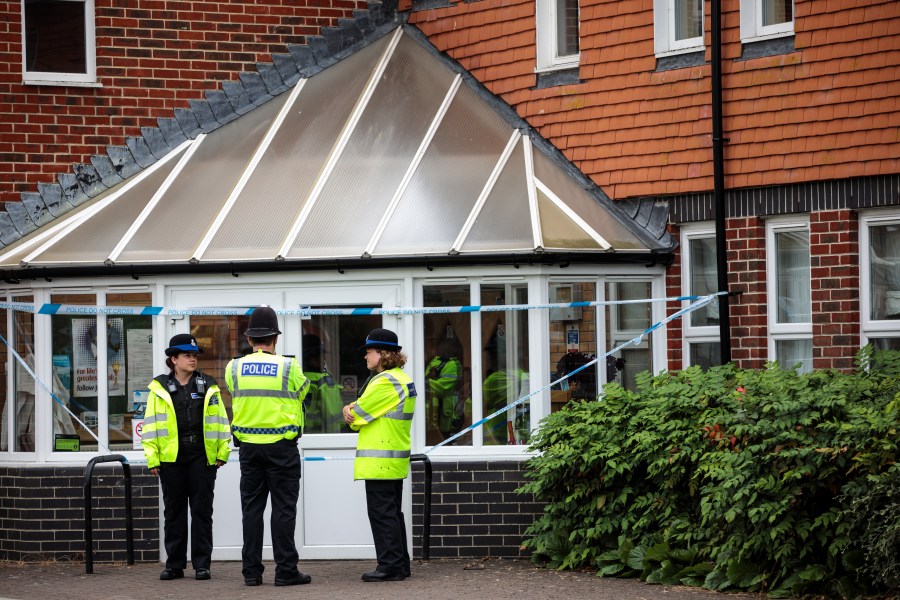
746, 242
827, 111
834, 248
152, 56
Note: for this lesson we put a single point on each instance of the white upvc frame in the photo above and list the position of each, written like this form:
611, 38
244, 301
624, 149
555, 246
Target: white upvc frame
86, 79
691, 334
871, 328
782, 331
752, 28
664, 42
656, 340
547, 57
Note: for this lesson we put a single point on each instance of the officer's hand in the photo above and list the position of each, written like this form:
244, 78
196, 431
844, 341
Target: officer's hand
155, 471
220, 463
348, 416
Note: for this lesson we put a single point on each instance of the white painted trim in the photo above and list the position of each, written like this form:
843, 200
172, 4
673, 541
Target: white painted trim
532, 194
572, 214
86, 79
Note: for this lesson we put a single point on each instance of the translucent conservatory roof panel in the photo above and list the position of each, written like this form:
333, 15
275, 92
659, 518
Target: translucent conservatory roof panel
584, 205
558, 230
207, 178
92, 240
377, 156
453, 172
504, 221
291, 165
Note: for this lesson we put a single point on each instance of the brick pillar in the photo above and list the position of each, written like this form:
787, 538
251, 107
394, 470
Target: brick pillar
834, 250
746, 237
674, 329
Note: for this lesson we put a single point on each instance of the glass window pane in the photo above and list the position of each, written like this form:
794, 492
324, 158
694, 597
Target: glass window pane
221, 338
332, 361
706, 354
130, 359
703, 279
505, 378
55, 37
23, 340
884, 271
448, 367
794, 353
76, 348
775, 12
377, 157
688, 19
573, 342
449, 179
887, 343
627, 321
792, 285
4, 380
566, 27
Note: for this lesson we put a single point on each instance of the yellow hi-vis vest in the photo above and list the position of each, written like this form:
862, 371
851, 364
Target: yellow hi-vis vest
383, 416
267, 392
160, 433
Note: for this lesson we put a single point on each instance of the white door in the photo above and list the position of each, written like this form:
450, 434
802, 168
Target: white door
328, 493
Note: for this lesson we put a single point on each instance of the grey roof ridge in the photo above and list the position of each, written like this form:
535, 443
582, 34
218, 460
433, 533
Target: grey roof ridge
218, 107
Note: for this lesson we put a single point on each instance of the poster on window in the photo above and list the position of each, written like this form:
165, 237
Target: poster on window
84, 356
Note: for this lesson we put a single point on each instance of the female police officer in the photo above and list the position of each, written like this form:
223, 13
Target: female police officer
186, 438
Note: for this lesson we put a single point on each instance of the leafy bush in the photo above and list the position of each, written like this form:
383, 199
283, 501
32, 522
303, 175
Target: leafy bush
762, 480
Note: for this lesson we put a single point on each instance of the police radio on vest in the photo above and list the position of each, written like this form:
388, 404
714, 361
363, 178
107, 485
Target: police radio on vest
260, 369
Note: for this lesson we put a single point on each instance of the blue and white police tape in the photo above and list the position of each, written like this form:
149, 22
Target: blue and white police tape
700, 303
243, 311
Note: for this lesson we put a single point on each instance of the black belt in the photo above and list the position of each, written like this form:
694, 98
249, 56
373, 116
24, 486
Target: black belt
194, 438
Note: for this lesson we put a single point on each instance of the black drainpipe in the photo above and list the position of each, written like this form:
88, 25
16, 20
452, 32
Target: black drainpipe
718, 141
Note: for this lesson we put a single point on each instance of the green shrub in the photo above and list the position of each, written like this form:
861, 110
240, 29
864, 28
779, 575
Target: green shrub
762, 480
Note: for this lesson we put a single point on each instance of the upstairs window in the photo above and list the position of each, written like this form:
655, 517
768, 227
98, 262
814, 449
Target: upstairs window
678, 26
557, 34
762, 19
58, 42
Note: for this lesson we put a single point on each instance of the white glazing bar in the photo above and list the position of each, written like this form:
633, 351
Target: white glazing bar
532, 194
572, 214
72, 224
338, 149
414, 164
485, 192
248, 172
185, 159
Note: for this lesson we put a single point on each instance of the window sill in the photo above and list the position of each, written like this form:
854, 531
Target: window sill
682, 60
556, 77
84, 84
772, 46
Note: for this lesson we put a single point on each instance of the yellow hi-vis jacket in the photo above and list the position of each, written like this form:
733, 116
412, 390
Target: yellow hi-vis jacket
383, 416
267, 392
160, 433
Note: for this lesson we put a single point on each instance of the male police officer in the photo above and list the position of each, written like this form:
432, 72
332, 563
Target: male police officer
267, 398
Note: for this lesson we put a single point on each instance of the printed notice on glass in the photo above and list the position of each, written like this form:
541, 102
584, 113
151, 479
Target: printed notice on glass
140, 359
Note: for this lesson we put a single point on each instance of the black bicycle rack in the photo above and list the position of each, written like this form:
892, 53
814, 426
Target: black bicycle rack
88, 523
426, 524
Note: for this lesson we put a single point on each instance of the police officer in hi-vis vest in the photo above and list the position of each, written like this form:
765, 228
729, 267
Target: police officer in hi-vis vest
382, 413
267, 400
185, 439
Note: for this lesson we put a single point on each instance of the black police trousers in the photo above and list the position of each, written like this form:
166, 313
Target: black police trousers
383, 501
270, 469
188, 481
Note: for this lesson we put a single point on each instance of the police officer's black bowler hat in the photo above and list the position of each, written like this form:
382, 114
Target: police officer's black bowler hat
183, 342
263, 323
382, 339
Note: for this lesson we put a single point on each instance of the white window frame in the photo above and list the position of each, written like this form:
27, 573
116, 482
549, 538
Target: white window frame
664, 40
753, 30
547, 59
691, 334
782, 331
87, 79
871, 328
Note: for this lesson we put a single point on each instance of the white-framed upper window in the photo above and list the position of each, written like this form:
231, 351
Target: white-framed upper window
762, 19
677, 26
699, 277
58, 42
879, 248
788, 273
558, 45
